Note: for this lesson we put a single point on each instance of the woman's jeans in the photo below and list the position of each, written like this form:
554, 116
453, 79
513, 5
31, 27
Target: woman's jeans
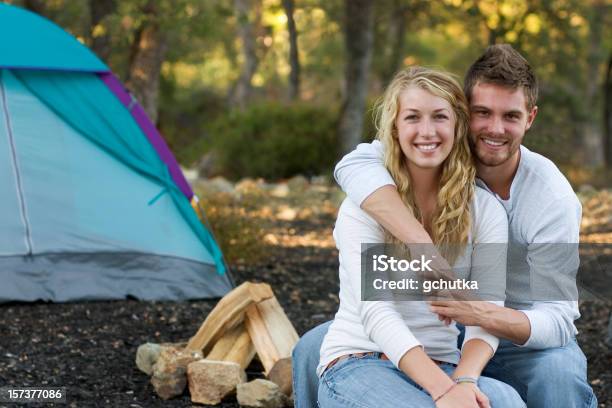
369, 381
551, 378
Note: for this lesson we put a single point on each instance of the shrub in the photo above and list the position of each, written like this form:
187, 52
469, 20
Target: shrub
274, 141
238, 232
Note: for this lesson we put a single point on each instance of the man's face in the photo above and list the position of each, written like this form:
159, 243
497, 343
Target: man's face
498, 122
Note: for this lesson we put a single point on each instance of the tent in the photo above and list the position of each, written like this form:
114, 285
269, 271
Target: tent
94, 205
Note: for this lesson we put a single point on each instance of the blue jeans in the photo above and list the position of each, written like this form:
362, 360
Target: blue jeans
554, 377
544, 378
371, 382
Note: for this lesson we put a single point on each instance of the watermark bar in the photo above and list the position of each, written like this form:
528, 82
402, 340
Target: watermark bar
512, 272
32, 394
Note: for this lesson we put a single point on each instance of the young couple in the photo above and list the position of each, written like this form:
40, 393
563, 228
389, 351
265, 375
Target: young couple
449, 168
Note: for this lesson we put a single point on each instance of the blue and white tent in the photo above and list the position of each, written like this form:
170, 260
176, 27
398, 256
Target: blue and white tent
94, 205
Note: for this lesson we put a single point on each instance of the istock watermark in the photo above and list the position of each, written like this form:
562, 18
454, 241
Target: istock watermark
489, 271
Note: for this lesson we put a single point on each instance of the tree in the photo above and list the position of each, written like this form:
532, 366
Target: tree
608, 122
294, 61
146, 57
359, 37
98, 36
590, 130
243, 90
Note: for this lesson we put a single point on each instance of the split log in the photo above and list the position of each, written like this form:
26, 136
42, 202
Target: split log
235, 346
228, 313
271, 332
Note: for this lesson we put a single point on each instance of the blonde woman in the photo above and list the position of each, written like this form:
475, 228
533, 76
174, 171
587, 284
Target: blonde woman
391, 354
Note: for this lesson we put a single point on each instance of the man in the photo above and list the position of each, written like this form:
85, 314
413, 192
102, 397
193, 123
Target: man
538, 353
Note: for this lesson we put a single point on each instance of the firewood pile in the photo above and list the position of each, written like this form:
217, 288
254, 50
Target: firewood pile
247, 323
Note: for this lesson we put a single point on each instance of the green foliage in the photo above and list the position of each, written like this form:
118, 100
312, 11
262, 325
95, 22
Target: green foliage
274, 141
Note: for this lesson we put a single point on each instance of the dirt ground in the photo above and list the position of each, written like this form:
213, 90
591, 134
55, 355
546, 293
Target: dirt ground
89, 348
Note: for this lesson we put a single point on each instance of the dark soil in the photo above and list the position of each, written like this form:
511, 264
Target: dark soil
89, 348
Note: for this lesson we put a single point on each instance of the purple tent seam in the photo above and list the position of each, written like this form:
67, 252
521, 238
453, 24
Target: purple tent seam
148, 128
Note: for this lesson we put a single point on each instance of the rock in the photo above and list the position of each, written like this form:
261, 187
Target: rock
286, 213
260, 394
587, 189
207, 165
280, 191
210, 381
320, 181
281, 375
191, 175
148, 353
169, 371
215, 185
298, 183
146, 357
249, 186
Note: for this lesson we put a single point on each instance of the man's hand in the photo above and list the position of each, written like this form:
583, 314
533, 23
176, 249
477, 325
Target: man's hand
463, 396
468, 313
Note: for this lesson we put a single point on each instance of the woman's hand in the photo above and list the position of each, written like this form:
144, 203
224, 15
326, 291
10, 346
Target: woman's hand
481, 398
463, 396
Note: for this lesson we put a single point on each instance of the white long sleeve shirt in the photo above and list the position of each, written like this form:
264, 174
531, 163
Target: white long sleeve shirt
544, 225
395, 327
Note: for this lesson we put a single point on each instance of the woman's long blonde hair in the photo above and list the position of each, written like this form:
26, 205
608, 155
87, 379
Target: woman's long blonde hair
451, 220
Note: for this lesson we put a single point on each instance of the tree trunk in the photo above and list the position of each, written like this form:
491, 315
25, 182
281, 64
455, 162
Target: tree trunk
148, 53
397, 37
590, 132
294, 61
99, 38
359, 37
243, 90
37, 6
608, 121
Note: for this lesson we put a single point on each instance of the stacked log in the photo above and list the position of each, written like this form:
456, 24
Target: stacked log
247, 323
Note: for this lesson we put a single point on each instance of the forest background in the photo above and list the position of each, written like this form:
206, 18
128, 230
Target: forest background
275, 88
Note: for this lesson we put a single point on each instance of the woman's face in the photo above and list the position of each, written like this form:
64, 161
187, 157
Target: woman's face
425, 126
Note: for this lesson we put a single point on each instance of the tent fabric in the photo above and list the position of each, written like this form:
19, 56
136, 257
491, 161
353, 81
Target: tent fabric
64, 277
84, 102
33, 42
94, 214
94, 205
149, 130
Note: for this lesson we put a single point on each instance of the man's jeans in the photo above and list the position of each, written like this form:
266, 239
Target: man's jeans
550, 378
371, 382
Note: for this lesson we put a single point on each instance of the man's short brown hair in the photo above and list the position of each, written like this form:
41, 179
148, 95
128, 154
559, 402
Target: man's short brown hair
501, 64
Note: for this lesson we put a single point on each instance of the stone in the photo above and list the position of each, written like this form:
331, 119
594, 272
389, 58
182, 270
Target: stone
286, 213
281, 375
210, 381
320, 181
191, 175
260, 393
298, 183
169, 379
146, 357
587, 189
249, 186
280, 191
215, 185
148, 353
207, 165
